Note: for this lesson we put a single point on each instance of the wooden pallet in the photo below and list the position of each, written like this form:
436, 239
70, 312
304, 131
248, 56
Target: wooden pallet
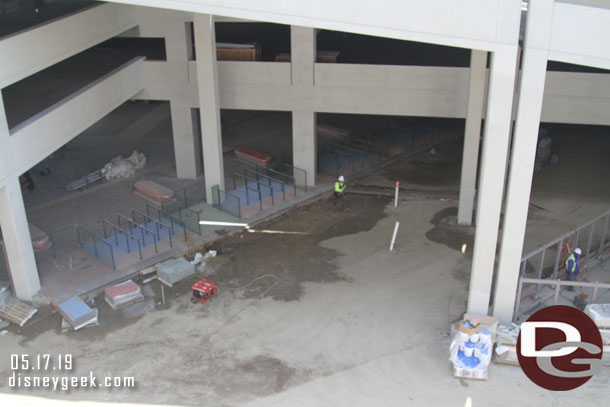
17, 312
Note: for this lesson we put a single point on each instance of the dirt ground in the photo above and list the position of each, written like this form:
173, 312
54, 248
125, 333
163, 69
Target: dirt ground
327, 317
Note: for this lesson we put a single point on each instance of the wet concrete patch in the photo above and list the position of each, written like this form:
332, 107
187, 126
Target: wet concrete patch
294, 258
446, 231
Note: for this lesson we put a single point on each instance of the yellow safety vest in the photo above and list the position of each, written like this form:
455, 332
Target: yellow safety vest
339, 186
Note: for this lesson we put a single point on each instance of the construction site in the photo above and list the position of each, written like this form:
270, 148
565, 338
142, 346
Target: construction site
256, 205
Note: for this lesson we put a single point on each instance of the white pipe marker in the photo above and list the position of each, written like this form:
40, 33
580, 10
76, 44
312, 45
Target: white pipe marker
394, 235
396, 194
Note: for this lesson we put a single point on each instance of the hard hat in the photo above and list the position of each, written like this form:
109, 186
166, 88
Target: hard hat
341, 179
578, 251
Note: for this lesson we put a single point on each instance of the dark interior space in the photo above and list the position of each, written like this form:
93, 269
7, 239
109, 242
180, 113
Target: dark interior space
364, 49
274, 39
152, 48
18, 15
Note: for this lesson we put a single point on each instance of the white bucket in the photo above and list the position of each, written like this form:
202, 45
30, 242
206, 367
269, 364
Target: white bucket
479, 372
458, 370
474, 338
467, 372
468, 351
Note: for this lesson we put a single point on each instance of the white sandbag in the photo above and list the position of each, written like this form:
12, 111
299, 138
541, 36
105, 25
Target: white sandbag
137, 159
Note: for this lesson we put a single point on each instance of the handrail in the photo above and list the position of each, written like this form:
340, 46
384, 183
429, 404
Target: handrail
258, 190
180, 209
216, 200
270, 179
142, 230
169, 217
157, 225
565, 236
77, 229
558, 284
127, 236
276, 163
557, 244
294, 182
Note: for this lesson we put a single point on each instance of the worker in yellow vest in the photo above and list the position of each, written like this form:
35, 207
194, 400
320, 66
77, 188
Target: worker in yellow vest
339, 192
573, 267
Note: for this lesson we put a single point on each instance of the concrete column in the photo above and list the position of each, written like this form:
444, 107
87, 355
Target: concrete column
472, 134
14, 224
303, 58
304, 145
205, 48
185, 146
177, 43
491, 179
529, 107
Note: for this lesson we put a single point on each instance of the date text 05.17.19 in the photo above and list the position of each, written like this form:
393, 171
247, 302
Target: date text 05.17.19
45, 361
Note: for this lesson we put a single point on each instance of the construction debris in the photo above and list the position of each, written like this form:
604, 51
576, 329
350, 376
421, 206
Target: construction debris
120, 167
77, 313
5, 294
17, 312
600, 314
171, 273
3, 324
506, 344
122, 294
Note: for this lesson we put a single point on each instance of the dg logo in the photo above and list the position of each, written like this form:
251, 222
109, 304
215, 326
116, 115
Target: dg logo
559, 348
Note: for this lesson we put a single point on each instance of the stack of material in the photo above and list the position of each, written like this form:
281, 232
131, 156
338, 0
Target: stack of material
254, 156
226, 51
323, 129
17, 312
77, 313
65, 325
506, 349
470, 351
600, 314
321, 56
154, 191
172, 272
121, 294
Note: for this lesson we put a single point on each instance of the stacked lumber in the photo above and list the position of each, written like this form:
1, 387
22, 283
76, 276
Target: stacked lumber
237, 52
17, 312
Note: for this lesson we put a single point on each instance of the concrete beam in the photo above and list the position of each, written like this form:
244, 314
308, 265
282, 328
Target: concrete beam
580, 35
25, 53
42, 134
467, 23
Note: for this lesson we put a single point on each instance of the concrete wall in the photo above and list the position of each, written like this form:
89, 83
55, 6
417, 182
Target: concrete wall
579, 98
569, 97
26, 53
